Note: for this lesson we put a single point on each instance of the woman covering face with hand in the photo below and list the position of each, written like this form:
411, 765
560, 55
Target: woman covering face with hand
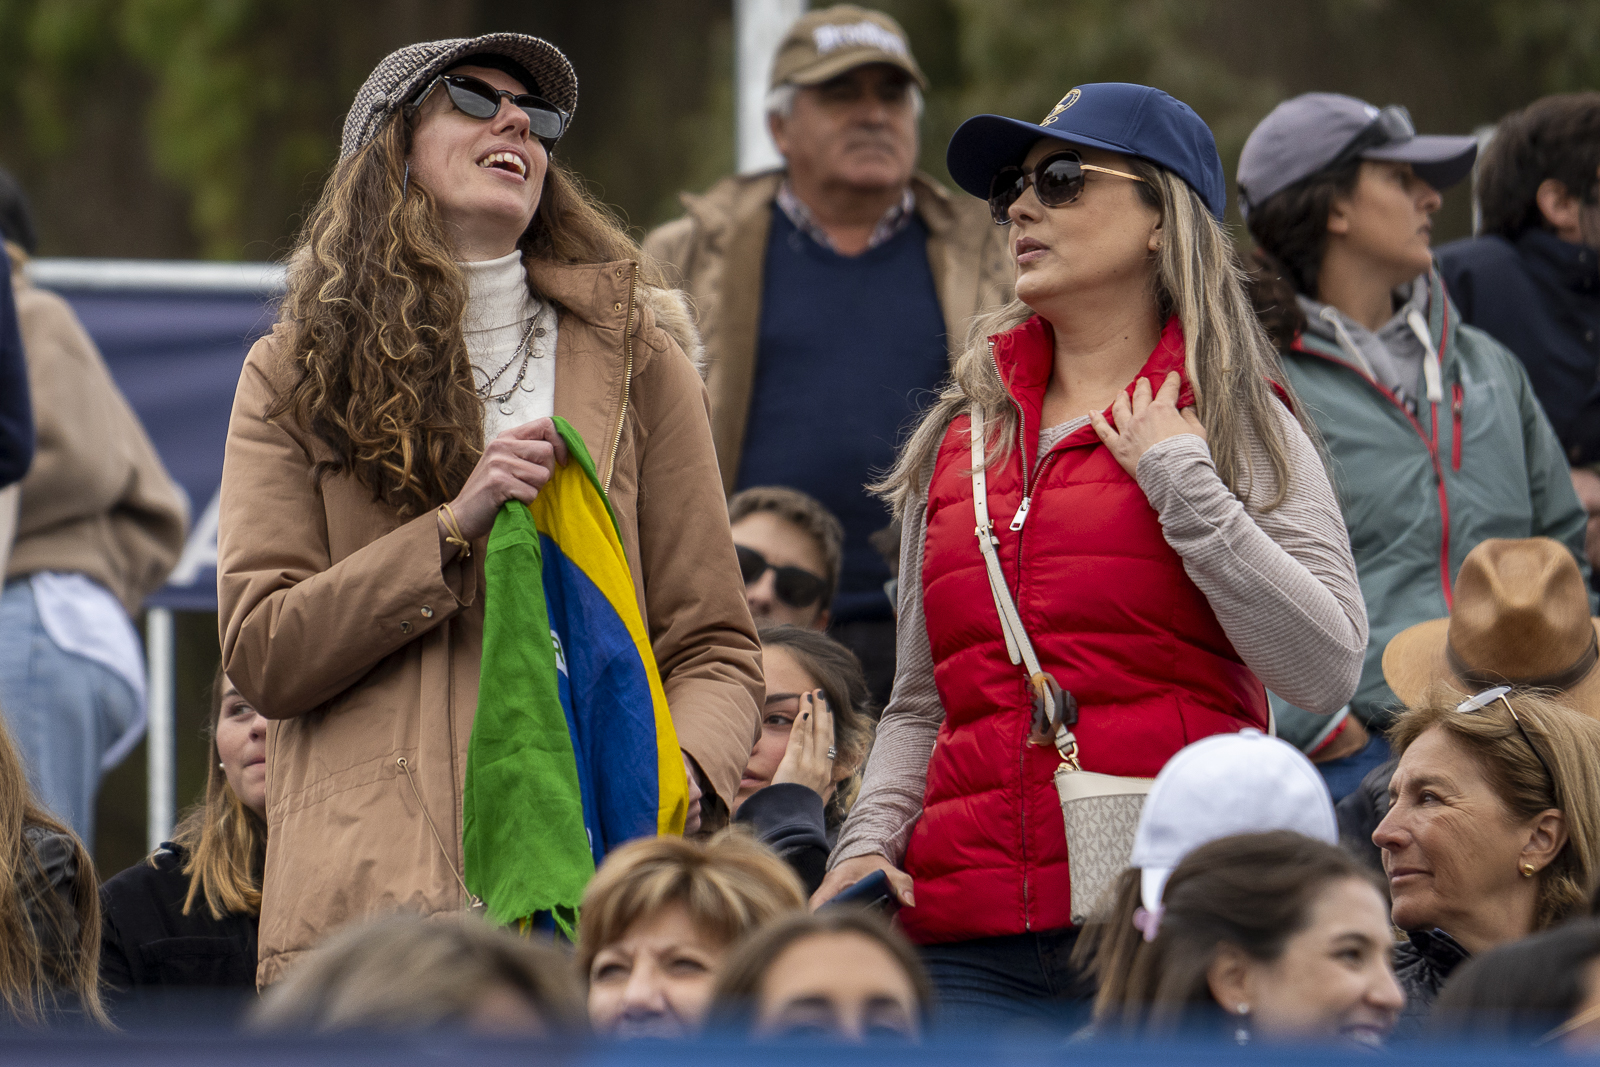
1154, 527
805, 767
454, 291
1493, 829
188, 915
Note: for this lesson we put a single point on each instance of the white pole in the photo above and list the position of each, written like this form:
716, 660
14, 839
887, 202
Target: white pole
758, 27
161, 736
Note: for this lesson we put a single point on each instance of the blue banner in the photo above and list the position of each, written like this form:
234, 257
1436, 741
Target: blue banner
175, 337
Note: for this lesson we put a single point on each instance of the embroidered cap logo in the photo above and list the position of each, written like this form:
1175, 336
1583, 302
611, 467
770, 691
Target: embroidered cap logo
857, 35
1066, 102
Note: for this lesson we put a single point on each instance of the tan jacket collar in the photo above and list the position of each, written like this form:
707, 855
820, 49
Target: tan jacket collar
722, 207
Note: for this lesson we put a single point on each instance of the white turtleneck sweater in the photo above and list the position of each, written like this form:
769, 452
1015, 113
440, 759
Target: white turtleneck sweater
499, 309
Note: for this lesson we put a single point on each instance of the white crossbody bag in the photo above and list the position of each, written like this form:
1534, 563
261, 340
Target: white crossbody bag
1101, 811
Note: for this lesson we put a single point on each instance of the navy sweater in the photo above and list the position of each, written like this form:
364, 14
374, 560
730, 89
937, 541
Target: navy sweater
16, 410
851, 348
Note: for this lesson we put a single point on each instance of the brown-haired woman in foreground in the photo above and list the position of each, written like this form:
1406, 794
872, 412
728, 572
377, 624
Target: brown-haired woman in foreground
49, 911
1275, 936
839, 973
187, 916
1493, 830
657, 920
453, 291
404, 973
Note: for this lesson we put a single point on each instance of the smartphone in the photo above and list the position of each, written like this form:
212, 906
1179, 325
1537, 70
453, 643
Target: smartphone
873, 892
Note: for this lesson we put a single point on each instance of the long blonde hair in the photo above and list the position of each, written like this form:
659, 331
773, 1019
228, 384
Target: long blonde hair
374, 312
31, 979
1230, 363
226, 841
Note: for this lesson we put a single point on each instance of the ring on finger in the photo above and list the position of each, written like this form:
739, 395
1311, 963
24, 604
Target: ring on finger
833, 752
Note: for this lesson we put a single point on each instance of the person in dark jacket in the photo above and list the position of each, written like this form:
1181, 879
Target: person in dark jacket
1541, 989
1493, 829
1531, 279
805, 767
49, 913
187, 916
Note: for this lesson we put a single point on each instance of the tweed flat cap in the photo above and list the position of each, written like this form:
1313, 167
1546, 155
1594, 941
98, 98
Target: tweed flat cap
405, 72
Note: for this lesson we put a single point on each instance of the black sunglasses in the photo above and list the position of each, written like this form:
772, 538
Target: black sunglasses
795, 586
1392, 125
1057, 180
476, 97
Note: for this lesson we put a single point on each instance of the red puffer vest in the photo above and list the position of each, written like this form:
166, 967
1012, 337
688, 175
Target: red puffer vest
1112, 615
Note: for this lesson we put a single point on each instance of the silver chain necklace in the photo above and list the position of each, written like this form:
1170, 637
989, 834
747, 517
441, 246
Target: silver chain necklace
524, 352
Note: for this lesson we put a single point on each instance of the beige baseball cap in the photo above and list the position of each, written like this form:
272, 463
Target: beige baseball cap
824, 44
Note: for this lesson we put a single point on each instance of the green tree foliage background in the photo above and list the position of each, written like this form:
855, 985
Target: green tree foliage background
205, 127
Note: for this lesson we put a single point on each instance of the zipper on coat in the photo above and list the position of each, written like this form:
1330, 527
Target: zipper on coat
1431, 443
1456, 404
627, 379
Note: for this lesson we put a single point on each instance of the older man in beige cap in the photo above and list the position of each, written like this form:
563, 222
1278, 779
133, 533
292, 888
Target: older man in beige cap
833, 291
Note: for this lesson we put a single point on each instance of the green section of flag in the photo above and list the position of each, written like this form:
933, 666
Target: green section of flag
524, 843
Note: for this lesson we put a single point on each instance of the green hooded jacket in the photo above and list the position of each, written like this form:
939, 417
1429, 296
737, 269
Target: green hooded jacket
1418, 493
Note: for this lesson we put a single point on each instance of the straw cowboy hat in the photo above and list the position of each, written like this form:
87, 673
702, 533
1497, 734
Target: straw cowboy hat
1520, 617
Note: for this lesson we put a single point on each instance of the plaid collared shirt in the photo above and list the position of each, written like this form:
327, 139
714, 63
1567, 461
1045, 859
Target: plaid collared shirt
894, 220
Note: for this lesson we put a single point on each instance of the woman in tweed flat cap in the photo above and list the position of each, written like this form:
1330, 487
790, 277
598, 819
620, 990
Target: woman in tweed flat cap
454, 288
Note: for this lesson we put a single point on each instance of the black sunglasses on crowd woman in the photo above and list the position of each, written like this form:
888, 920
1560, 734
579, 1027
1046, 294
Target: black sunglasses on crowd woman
1122, 411
408, 393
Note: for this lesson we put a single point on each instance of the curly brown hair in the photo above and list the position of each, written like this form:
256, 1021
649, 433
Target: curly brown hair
374, 311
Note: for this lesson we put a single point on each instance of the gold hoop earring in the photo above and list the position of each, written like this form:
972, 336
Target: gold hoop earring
1529, 870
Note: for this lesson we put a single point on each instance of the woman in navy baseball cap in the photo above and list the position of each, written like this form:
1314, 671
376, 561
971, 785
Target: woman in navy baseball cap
1153, 525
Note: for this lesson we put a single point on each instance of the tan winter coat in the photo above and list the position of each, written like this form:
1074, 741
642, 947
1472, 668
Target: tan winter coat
340, 623
97, 500
718, 250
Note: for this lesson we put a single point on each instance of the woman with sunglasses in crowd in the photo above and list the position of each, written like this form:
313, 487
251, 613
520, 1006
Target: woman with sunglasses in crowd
453, 290
1161, 538
1434, 430
1493, 829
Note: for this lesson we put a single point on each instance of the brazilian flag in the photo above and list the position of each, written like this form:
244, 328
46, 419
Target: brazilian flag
572, 750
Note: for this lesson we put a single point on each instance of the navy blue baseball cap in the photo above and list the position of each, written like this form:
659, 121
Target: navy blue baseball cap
1135, 120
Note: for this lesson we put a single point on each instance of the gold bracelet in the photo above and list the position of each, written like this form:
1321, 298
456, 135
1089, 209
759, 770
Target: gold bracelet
453, 535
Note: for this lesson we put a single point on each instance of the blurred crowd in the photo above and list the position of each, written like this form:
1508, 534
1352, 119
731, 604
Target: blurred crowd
1005, 610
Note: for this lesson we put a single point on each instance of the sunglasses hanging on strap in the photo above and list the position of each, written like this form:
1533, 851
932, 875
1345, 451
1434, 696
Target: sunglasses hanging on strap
1100, 811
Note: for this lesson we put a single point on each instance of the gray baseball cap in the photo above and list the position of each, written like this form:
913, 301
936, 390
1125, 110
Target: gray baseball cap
407, 71
1310, 133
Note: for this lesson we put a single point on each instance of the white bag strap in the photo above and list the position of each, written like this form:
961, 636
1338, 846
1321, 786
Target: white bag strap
1017, 644
1018, 647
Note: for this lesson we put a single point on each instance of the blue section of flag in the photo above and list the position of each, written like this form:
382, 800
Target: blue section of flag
616, 755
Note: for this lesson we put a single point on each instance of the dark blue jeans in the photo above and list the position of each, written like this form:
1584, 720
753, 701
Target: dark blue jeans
1345, 773
1017, 983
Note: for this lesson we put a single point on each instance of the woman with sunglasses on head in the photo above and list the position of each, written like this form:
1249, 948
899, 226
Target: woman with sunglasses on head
453, 290
1436, 434
1493, 829
1160, 536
